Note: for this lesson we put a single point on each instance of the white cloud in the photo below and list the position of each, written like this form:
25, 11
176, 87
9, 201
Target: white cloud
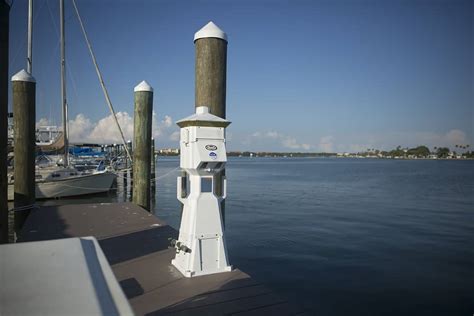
326, 144
175, 136
80, 129
42, 122
388, 141
273, 134
274, 140
105, 131
455, 137
350, 142
449, 139
83, 129
356, 148
292, 143
160, 128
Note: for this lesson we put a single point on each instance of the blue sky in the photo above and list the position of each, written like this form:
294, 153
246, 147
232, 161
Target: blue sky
302, 75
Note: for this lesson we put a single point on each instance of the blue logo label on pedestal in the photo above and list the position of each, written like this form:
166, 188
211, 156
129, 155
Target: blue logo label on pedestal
213, 155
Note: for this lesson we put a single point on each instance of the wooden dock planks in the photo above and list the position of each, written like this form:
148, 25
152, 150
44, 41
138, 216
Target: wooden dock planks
135, 243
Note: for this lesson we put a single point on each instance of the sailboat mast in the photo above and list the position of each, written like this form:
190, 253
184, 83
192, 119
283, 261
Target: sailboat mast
29, 61
63, 83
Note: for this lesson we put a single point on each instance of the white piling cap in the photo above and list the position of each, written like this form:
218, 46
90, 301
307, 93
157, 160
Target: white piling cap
210, 30
143, 86
23, 75
202, 110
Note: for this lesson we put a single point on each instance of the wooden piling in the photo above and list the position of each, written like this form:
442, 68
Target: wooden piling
125, 171
4, 35
129, 147
211, 78
24, 116
142, 144
211, 69
153, 166
153, 175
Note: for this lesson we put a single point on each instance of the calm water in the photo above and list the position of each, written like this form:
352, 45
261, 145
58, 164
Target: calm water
348, 236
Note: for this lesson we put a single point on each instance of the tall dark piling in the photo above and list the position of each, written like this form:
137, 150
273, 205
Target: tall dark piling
142, 144
153, 165
129, 148
4, 32
153, 174
24, 115
211, 77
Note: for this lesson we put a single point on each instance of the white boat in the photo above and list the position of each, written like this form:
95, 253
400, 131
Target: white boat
67, 182
47, 135
54, 181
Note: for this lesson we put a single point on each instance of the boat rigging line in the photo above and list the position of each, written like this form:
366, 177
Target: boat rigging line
99, 74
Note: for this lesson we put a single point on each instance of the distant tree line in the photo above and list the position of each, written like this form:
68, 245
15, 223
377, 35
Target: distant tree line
420, 152
399, 152
277, 154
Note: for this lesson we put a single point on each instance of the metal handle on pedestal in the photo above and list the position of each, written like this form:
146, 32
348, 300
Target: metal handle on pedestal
224, 188
179, 189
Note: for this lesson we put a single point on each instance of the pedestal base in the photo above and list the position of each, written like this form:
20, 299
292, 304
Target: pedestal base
190, 274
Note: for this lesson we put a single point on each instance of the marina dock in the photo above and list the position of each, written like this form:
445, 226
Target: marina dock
138, 246
135, 243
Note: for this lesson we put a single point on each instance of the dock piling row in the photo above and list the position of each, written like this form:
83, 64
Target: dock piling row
4, 29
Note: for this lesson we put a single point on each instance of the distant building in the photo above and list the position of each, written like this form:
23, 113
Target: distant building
343, 154
168, 151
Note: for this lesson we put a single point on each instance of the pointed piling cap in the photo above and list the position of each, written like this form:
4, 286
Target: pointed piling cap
143, 86
23, 75
210, 30
203, 118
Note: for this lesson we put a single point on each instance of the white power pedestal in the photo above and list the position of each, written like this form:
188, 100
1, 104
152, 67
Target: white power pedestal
201, 247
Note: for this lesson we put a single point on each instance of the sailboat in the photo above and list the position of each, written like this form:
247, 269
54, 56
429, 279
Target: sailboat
64, 181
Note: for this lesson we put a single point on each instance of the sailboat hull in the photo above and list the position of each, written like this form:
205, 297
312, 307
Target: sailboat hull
72, 186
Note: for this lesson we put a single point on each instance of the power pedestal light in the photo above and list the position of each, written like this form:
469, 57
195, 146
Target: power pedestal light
201, 247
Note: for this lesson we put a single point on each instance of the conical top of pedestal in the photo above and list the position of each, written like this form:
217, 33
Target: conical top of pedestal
202, 117
210, 30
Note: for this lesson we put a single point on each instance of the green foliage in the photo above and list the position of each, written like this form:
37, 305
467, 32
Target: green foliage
397, 152
420, 151
442, 152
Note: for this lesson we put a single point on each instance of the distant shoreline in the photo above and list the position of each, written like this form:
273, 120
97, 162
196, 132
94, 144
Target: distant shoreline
419, 152
322, 155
